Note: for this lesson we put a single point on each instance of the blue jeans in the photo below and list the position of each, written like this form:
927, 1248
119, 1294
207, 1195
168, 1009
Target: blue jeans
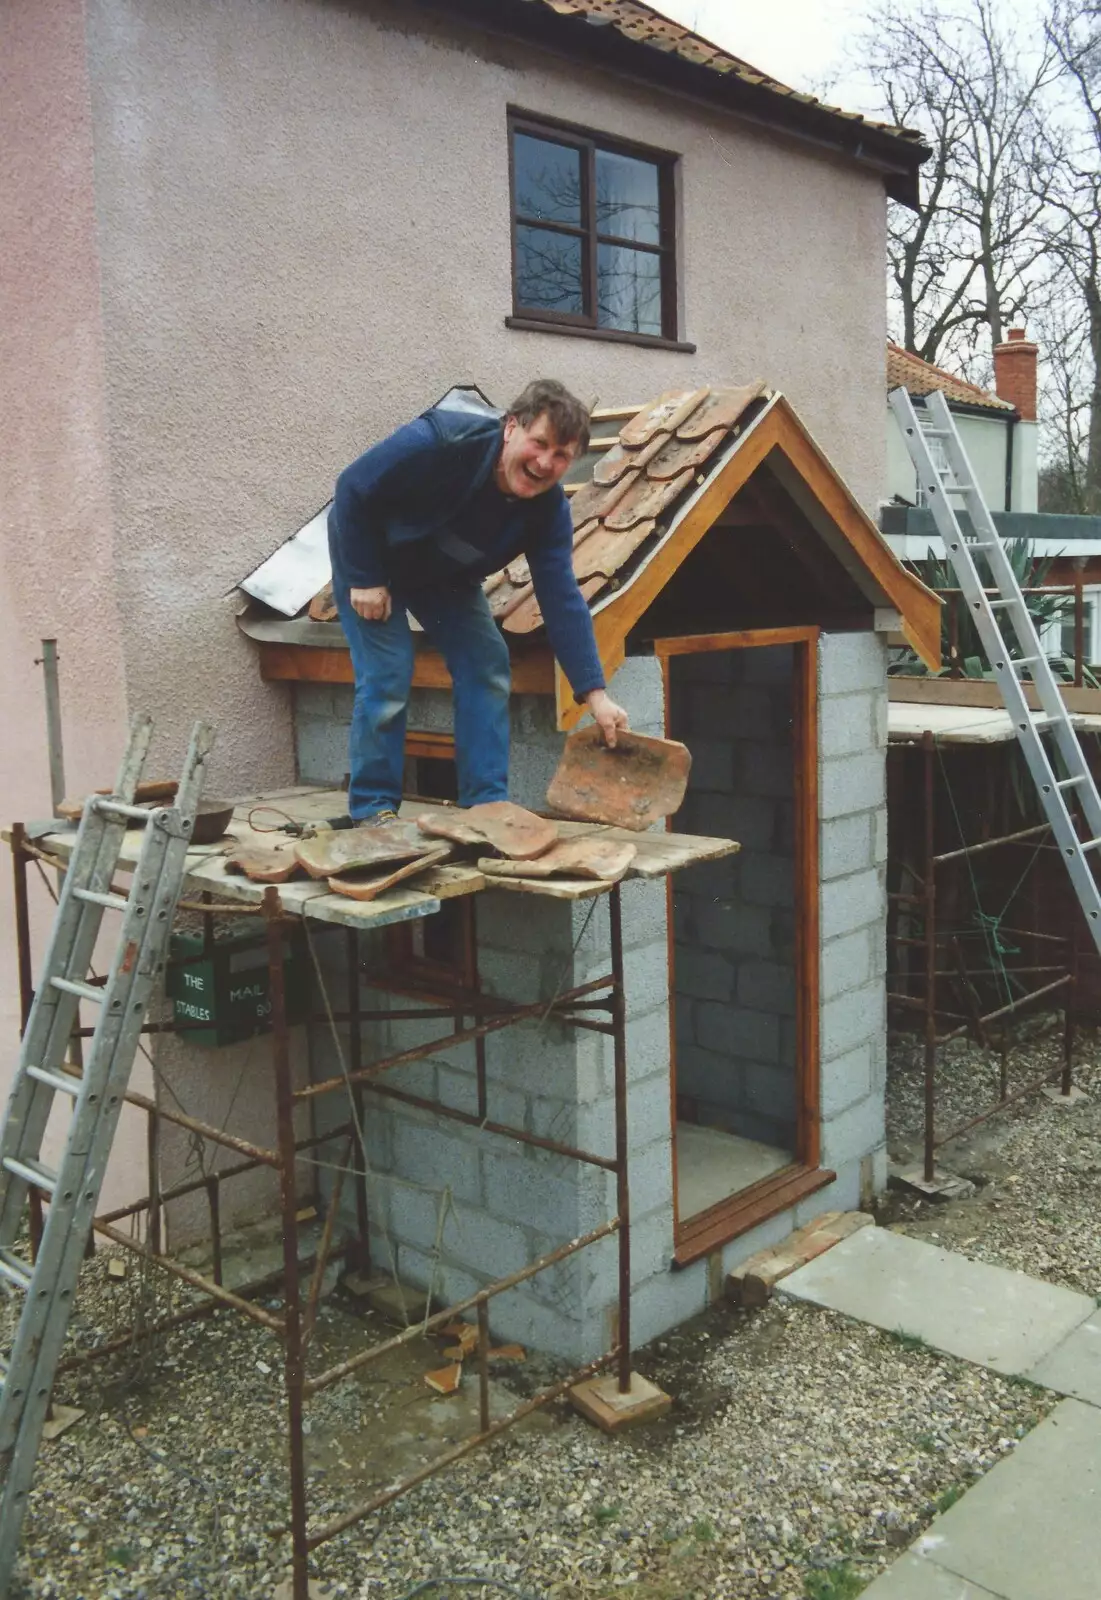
458, 622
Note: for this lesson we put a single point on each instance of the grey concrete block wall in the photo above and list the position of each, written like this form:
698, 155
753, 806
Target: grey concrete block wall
453, 1207
852, 910
734, 957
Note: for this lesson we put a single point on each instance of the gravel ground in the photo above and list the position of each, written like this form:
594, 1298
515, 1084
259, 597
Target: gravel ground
1036, 1166
769, 1477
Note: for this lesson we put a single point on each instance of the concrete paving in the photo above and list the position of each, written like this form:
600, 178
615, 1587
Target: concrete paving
998, 1319
1074, 1367
1029, 1530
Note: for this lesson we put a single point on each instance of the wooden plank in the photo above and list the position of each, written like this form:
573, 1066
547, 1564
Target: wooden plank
807, 949
398, 905
551, 888
658, 853
532, 669
707, 1232
446, 883
983, 692
691, 644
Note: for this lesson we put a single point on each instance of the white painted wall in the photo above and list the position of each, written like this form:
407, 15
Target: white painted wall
985, 440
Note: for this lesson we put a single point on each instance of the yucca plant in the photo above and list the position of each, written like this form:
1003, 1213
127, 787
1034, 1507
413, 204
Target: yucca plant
1045, 609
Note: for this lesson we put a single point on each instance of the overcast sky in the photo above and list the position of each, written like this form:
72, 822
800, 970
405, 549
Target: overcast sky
797, 41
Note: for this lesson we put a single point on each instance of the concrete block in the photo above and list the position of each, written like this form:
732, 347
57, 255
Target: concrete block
534, 1194
763, 1237
558, 1120
850, 903
533, 1058
651, 1172
769, 1092
845, 1080
847, 962
520, 977
444, 1280
851, 783
849, 1019
431, 1156
766, 986
703, 974
430, 710
644, 913
649, 1111
853, 1133
651, 1243
712, 766
731, 926
767, 880
738, 1031
700, 1073
765, 768
710, 880
847, 724
639, 688
314, 700
485, 1243
848, 662
321, 750
531, 766
846, 845
647, 1041
416, 1077
665, 1300
881, 836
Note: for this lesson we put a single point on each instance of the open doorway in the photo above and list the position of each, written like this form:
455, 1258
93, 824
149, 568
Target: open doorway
743, 931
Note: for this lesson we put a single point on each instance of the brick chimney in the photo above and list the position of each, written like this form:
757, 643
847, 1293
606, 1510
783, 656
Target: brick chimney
1015, 373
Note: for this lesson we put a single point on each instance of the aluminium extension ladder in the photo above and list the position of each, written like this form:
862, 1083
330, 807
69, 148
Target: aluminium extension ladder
1060, 774
49, 1284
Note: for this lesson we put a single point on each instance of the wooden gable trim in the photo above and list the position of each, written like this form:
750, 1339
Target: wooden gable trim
777, 434
532, 672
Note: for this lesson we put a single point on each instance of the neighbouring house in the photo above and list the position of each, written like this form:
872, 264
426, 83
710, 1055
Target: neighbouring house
243, 242
742, 599
999, 432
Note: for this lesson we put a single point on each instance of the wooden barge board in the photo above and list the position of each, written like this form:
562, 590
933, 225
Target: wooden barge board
659, 853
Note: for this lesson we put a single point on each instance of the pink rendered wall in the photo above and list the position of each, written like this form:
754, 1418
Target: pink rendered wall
56, 523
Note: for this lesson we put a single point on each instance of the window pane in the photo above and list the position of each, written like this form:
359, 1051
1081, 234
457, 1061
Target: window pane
548, 270
548, 180
628, 289
627, 197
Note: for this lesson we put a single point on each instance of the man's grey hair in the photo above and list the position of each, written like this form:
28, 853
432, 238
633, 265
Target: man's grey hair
567, 415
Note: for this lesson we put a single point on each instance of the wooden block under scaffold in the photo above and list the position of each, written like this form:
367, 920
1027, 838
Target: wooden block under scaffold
600, 1401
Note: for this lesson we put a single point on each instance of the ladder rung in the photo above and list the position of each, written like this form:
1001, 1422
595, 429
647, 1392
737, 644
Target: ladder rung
1012, 601
113, 902
118, 808
1089, 844
32, 1172
86, 991
1025, 661
1069, 783
60, 1082
15, 1269
1044, 721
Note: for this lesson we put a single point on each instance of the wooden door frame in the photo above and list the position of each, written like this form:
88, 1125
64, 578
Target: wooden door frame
704, 1233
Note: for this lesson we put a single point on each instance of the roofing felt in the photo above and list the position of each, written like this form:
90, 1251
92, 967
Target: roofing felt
908, 371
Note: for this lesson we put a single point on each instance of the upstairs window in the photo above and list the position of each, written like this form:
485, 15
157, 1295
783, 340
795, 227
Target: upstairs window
593, 242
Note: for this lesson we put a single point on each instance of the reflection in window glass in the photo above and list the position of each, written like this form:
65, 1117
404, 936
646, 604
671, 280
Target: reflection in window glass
548, 270
628, 289
627, 197
548, 180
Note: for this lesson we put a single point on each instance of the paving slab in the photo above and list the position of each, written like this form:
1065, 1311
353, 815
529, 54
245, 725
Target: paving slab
998, 1319
913, 1578
1074, 1367
1031, 1528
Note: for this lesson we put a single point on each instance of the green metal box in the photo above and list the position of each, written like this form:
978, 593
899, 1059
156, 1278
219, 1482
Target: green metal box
228, 986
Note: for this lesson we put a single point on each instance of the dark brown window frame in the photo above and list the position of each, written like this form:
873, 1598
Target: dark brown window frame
589, 141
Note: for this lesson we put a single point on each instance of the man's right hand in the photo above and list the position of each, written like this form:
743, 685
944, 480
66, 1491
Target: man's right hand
373, 605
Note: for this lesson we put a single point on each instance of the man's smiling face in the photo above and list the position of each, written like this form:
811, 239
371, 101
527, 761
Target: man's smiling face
532, 459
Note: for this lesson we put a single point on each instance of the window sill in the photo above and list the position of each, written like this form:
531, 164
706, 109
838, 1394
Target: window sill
701, 1235
609, 335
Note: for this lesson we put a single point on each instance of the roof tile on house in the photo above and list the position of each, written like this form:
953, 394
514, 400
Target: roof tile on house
642, 463
645, 25
910, 372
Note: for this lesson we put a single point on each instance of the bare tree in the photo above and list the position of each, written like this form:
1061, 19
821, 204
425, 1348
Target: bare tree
963, 268
1074, 243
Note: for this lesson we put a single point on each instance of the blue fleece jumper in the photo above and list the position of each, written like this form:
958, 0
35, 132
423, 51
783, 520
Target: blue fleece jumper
420, 513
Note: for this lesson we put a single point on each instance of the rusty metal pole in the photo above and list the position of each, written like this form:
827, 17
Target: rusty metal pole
50, 678
22, 923
930, 869
293, 1373
1079, 628
623, 1193
152, 1155
1067, 1082
360, 1252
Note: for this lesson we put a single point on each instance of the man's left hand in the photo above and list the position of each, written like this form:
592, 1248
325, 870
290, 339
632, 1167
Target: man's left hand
608, 717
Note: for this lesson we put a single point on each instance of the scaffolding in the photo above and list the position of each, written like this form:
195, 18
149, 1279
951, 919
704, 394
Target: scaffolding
466, 1015
943, 963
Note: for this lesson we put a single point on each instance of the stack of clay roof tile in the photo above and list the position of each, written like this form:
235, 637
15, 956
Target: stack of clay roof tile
641, 475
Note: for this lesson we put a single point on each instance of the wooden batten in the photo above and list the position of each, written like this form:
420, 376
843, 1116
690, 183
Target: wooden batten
532, 670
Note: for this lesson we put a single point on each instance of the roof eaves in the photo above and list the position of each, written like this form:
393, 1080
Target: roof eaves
687, 64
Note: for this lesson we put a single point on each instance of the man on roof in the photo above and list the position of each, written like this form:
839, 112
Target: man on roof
416, 524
